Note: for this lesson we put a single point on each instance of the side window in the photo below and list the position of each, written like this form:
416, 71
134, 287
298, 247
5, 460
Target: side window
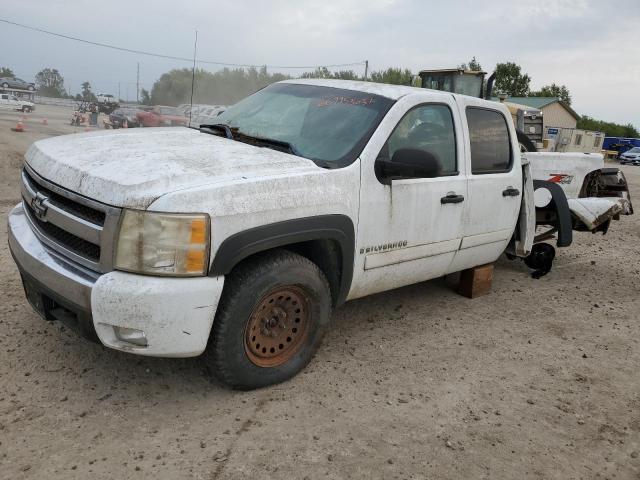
430, 128
5, 97
490, 143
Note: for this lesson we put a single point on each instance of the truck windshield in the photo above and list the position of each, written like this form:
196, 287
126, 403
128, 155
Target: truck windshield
328, 125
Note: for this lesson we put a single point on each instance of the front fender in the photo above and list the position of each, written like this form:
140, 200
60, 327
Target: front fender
242, 245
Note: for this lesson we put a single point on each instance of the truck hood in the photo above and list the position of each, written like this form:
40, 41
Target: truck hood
132, 168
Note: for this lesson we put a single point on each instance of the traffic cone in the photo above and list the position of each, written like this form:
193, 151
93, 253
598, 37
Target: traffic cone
45, 122
87, 129
19, 127
125, 124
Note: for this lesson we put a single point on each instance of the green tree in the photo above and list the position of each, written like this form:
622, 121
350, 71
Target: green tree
324, 72
346, 75
50, 83
320, 72
225, 86
6, 72
553, 90
611, 129
394, 76
145, 98
473, 65
87, 94
511, 80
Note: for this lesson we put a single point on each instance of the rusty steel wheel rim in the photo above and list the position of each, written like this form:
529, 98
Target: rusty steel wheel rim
278, 326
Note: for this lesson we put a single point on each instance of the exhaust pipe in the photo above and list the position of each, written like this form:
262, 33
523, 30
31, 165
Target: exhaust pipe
490, 81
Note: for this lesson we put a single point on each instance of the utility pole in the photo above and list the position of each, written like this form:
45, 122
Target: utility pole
366, 69
119, 97
138, 84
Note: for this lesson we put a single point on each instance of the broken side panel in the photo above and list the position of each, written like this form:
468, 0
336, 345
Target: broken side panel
524, 234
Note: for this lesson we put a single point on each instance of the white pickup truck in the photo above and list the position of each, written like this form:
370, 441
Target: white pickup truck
11, 102
239, 238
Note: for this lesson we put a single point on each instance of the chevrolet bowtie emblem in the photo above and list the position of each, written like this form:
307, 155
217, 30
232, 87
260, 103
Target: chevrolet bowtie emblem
38, 205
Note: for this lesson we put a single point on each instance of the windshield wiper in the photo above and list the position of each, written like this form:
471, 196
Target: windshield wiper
279, 145
221, 127
232, 133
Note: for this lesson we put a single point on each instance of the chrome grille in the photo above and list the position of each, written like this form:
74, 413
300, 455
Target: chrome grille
77, 227
86, 213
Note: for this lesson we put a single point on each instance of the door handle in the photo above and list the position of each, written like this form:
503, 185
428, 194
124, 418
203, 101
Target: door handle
451, 197
510, 192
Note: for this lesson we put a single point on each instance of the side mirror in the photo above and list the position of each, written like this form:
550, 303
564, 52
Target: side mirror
408, 163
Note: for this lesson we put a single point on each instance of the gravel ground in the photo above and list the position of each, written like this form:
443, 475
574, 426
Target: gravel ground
539, 379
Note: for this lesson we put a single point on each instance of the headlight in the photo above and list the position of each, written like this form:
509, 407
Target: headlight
163, 243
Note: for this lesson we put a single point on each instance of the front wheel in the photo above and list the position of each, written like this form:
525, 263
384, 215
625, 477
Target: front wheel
26, 109
5, 85
31, 88
270, 320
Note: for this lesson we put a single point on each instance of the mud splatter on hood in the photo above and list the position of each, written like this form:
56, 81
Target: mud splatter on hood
131, 168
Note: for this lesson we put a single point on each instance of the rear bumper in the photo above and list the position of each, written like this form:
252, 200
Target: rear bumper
174, 314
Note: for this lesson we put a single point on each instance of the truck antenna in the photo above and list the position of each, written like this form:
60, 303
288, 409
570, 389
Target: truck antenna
193, 75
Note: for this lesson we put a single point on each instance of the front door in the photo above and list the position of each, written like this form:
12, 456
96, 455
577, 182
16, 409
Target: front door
410, 229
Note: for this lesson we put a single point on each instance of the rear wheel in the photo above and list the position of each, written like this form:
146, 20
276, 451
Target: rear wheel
26, 109
270, 320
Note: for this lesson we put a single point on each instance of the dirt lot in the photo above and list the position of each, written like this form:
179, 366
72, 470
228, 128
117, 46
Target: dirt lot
539, 379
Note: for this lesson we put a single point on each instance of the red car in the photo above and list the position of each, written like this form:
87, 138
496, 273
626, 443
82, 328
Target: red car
161, 116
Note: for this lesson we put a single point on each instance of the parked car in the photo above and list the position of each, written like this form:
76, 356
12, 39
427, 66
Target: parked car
7, 82
631, 157
118, 116
107, 103
161, 116
184, 108
242, 237
205, 114
11, 102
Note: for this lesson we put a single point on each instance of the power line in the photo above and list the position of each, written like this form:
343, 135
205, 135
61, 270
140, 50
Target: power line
171, 57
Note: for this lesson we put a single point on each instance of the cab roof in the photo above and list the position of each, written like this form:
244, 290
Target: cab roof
393, 92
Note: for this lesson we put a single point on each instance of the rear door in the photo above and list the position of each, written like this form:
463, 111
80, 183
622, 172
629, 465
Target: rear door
494, 182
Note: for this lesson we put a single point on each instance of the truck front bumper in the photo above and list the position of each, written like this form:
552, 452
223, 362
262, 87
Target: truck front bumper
155, 316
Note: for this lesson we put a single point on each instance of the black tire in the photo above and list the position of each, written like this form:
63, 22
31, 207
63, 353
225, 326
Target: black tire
526, 145
31, 88
5, 85
245, 290
26, 109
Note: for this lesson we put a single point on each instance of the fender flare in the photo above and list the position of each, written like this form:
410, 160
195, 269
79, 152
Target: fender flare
243, 244
563, 213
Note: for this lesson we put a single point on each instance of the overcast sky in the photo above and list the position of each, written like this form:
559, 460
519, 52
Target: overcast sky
593, 47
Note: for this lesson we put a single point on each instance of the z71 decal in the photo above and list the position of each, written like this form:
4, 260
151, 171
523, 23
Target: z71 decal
560, 178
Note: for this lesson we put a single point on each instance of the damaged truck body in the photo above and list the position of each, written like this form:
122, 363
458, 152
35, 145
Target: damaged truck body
237, 239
